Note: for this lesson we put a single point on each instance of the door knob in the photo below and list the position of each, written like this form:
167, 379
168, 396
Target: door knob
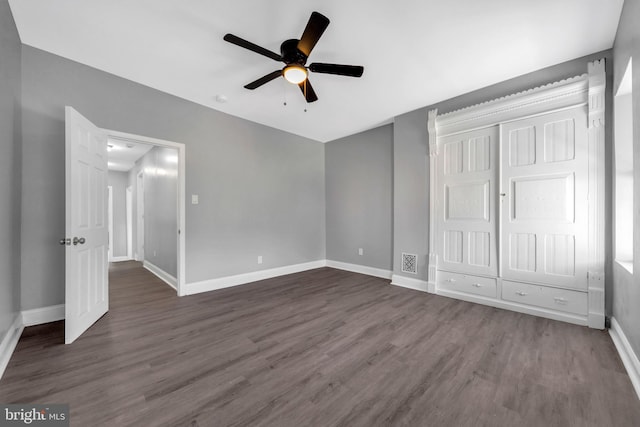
78, 240
64, 242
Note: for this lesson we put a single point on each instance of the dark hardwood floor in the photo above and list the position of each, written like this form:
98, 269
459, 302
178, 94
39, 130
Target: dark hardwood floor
319, 348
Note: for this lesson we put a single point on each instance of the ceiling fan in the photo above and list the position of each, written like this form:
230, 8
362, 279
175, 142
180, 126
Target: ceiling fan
294, 54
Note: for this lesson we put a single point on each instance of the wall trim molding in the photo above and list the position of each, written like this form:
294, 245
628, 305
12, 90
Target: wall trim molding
628, 356
597, 190
410, 283
244, 278
38, 316
120, 258
546, 98
9, 342
161, 274
362, 269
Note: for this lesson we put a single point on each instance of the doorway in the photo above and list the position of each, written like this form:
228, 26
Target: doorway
86, 218
153, 211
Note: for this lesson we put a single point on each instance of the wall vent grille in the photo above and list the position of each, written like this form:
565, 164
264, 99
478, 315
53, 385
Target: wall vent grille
409, 263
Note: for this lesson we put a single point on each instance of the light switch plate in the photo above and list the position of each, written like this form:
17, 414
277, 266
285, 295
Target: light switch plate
194, 199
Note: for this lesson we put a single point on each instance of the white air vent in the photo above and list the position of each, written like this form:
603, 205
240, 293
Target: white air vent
409, 263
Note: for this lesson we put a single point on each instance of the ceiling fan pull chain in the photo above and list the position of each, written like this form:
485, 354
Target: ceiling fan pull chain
284, 92
305, 93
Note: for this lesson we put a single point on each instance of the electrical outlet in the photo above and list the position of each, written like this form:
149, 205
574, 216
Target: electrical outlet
360, 251
259, 259
154, 253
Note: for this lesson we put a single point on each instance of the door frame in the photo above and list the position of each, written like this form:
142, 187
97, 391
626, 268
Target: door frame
110, 221
181, 199
140, 216
129, 220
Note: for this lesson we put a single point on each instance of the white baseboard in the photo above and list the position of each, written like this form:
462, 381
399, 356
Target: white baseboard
362, 269
38, 316
9, 342
161, 274
241, 279
120, 259
628, 356
408, 282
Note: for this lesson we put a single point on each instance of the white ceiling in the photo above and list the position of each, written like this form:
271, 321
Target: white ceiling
415, 52
124, 154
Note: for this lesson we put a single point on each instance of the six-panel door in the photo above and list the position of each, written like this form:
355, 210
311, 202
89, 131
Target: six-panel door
544, 190
466, 197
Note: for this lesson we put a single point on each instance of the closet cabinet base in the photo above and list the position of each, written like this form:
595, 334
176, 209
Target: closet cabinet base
573, 302
548, 313
467, 283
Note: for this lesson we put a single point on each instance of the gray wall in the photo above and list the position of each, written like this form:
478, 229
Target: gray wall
119, 181
261, 190
411, 190
10, 147
160, 209
626, 288
359, 176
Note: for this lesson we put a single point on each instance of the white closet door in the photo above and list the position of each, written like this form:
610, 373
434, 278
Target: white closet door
544, 188
466, 220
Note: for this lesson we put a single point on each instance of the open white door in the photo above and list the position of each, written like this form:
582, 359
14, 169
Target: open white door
87, 287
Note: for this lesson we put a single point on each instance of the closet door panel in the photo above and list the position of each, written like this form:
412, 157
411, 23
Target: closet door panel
544, 190
466, 216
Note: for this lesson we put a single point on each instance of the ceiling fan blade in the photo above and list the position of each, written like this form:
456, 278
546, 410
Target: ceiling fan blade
314, 29
339, 69
252, 47
307, 91
264, 79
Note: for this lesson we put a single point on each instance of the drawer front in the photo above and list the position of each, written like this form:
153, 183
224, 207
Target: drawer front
467, 283
544, 296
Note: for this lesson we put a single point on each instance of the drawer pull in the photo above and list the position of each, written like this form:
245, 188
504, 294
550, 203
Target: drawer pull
522, 294
476, 285
451, 280
561, 301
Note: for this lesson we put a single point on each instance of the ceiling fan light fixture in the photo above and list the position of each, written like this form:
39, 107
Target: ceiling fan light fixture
295, 74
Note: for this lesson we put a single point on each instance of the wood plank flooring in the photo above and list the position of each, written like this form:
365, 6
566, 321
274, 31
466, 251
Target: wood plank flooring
319, 348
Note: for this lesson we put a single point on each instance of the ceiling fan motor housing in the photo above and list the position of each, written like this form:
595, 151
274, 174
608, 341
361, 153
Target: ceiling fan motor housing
291, 54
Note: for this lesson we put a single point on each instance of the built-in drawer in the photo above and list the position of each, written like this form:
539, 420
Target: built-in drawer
467, 283
543, 296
